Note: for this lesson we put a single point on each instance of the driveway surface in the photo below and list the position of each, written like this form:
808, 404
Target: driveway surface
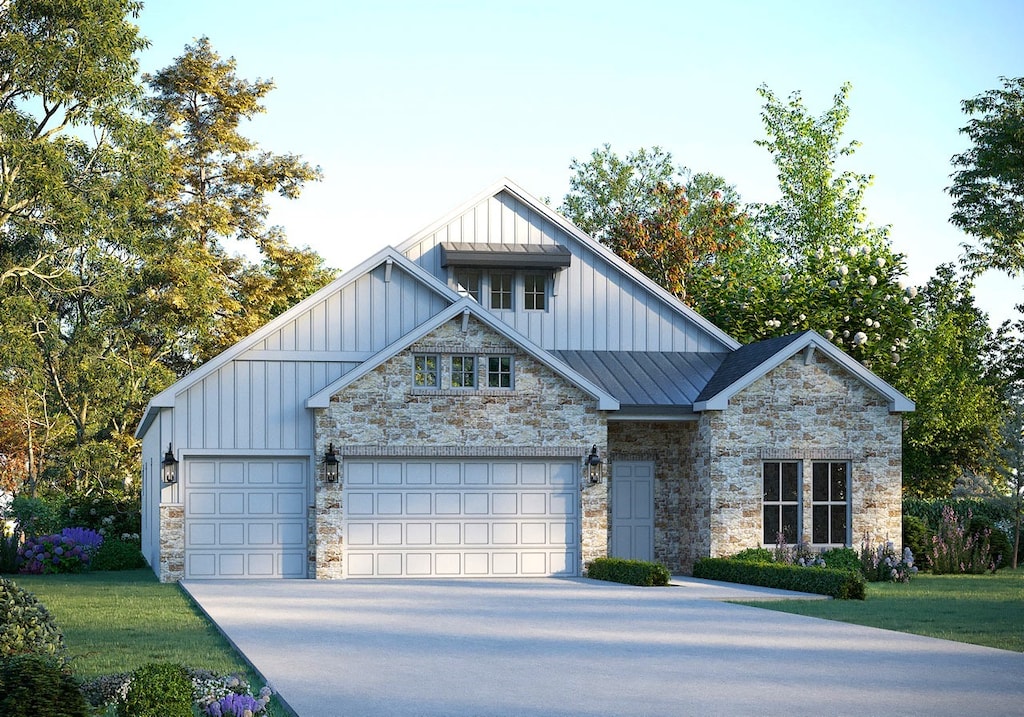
581, 648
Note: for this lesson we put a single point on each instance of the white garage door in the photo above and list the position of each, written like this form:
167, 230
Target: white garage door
245, 518
461, 518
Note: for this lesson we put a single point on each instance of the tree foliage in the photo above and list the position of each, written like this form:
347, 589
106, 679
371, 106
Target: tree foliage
988, 186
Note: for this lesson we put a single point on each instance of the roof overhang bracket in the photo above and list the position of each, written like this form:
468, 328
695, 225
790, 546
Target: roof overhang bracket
389, 263
465, 321
808, 354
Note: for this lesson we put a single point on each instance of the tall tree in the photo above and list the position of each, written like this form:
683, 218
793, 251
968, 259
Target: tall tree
988, 186
221, 181
668, 223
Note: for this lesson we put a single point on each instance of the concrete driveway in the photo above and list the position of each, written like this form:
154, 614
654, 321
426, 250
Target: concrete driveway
582, 648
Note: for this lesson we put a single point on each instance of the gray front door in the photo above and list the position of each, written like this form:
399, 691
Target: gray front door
632, 501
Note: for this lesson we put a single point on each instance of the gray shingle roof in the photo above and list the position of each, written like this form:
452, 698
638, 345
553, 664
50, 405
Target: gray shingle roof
742, 361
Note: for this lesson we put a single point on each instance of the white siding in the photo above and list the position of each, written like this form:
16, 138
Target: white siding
257, 401
597, 308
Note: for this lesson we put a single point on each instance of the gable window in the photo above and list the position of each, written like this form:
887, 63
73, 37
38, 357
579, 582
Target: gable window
830, 495
501, 290
781, 481
499, 372
535, 292
463, 371
424, 371
467, 283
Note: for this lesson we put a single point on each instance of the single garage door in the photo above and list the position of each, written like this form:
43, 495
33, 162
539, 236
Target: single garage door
461, 518
245, 518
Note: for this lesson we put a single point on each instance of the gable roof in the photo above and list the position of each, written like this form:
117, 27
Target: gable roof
579, 236
749, 363
387, 256
606, 402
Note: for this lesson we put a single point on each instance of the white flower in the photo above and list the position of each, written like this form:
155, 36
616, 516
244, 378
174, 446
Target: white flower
844, 270
860, 338
852, 251
872, 280
829, 334
902, 282
911, 291
880, 262
869, 322
803, 317
876, 325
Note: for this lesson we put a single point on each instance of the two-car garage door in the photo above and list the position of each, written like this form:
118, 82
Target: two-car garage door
461, 517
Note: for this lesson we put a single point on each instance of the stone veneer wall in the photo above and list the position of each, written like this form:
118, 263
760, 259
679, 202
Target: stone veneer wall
804, 412
681, 494
172, 542
381, 413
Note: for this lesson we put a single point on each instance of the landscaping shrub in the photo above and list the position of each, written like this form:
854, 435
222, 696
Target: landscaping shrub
883, 563
110, 516
755, 555
117, 554
106, 690
9, 552
931, 511
630, 572
158, 690
36, 516
841, 584
67, 552
26, 625
841, 559
37, 686
954, 549
1000, 551
916, 536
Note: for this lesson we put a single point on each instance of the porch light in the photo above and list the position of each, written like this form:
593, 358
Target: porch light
331, 465
169, 467
592, 465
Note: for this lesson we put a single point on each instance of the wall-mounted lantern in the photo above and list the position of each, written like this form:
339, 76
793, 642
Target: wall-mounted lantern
331, 465
169, 467
592, 466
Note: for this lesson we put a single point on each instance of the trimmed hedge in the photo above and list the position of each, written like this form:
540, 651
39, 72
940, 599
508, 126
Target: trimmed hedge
840, 584
26, 626
37, 686
629, 572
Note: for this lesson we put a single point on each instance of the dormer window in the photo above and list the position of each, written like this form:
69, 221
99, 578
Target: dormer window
506, 277
467, 283
501, 290
535, 291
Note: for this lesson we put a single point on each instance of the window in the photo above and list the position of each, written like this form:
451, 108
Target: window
463, 371
467, 283
424, 371
499, 372
781, 501
830, 495
535, 292
501, 290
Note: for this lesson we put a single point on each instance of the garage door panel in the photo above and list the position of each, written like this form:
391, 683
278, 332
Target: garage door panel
245, 518
474, 518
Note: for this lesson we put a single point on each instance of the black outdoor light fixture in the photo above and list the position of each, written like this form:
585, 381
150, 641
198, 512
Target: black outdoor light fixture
592, 464
331, 465
169, 467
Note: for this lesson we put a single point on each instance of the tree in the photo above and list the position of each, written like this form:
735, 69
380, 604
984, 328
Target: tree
959, 400
668, 223
221, 180
988, 187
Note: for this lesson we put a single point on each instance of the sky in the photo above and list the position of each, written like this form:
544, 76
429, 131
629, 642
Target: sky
411, 108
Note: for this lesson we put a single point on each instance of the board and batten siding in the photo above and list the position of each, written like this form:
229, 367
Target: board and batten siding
257, 401
597, 306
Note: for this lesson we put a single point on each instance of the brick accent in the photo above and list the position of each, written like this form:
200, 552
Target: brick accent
172, 542
382, 414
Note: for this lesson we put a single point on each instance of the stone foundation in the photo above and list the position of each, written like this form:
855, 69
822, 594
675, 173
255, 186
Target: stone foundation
172, 542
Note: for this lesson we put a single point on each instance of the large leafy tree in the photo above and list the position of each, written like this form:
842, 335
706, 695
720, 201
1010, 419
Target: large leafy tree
988, 184
946, 371
218, 202
669, 223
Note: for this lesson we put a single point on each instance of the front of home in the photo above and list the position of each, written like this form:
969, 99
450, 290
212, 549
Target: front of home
501, 395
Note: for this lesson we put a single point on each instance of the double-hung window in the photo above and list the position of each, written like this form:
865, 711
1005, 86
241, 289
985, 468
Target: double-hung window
781, 480
463, 371
830, 495
499, 372
425, 371
501, 290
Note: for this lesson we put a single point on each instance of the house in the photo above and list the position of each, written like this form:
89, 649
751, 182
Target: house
501, 395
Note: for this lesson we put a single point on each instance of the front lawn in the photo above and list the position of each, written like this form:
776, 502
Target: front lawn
118, 621
980, 609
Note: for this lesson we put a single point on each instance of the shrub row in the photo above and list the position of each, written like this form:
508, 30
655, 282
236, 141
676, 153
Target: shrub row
629, 572
840, 584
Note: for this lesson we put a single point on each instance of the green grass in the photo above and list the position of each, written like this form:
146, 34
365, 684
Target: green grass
118, 621
979, 609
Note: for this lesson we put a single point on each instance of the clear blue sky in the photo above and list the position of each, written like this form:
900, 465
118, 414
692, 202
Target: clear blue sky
411, 108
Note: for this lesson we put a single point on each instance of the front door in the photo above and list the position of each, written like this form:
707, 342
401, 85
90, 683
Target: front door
632, 498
